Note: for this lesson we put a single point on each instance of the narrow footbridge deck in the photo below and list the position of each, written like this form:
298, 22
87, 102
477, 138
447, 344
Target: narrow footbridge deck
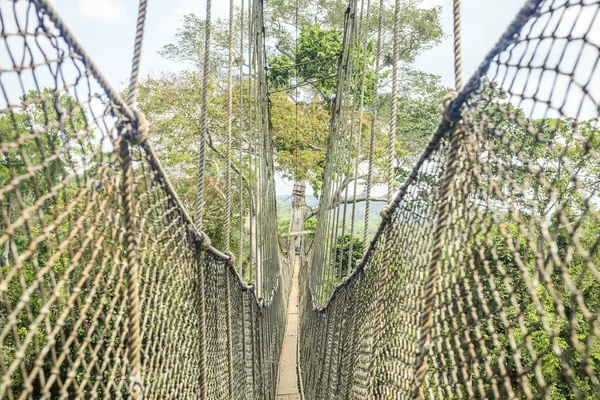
287, 385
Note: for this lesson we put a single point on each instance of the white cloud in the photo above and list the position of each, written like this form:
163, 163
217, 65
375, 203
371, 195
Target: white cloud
105, 10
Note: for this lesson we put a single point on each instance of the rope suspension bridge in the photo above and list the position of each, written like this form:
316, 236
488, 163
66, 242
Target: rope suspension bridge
482, 280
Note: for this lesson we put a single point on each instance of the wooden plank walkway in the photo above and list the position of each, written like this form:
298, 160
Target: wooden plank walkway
287, 387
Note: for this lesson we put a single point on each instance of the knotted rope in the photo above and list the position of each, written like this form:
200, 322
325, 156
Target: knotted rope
138, 131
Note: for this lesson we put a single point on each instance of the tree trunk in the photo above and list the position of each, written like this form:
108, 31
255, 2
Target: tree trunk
298, 211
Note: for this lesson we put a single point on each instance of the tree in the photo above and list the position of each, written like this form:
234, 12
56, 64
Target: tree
50, 154
300, 152
532, 233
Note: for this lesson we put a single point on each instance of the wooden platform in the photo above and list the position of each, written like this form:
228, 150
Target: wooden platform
287, 386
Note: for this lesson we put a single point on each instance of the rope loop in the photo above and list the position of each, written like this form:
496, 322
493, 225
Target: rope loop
206, 243
446, 106
136, 130
137, 388
385, 212
141, 127
231, 257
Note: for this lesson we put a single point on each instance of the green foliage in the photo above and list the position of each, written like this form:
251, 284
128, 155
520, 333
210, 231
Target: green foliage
420, 27
491, 249
300, 134
310, 225
343, 257
317, 57
280, 71
419, 99
300, 138
52, 131
188, 46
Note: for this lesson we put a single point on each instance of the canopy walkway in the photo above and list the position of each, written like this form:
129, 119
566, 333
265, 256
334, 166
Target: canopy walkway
482, 280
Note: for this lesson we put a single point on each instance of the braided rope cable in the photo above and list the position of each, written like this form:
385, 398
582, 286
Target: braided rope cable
133, 284
372, 130
228, 200
240, 139
228, 194
229, 317
360, 131
138, 133
394, 111
348, 113
327, 229
120, 104
435, 262
457, 46
529, 9
297, 240
381, 294
347, 143
382, 280
251, 105
200, 200
203, 118
132, 94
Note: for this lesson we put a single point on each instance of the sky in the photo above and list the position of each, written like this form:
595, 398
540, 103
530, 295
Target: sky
106, 29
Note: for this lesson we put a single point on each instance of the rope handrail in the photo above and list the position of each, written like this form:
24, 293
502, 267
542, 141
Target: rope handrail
442, 130
480, 274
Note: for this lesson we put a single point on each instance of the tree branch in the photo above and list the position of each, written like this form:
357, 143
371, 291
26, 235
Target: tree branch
222, 156
314, 210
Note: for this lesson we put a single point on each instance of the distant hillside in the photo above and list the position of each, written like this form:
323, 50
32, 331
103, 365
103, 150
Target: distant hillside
286, 199
284, 211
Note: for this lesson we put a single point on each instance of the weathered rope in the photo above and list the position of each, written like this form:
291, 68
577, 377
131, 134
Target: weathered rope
240, 142
251, 175
133, 281
68, 36
373, 127
228, 200
443, 214
435, 262
137, 55
457, 46
347, 141
365, 35
200, 202
382, 280
203, 118
394, 110
228, 190
455, 107
529, 9
138, 133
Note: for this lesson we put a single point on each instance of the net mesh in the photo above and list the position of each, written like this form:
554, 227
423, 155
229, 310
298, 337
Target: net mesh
482, 281
66, 312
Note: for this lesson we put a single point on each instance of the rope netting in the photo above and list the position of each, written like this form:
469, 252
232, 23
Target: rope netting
107, 288
482, 280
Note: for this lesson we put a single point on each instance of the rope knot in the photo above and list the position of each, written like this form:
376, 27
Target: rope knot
385, 212
205, 244
140, 127
445, 107
231, 257
137, 389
